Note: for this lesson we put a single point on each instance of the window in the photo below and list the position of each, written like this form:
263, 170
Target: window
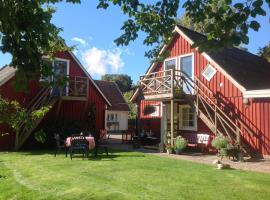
169, 64
188, 119
112, 117
186, 66
156, 112
209, 72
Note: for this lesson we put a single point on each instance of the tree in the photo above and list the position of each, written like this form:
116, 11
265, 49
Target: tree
28, 33
132, 106
187, 22
14, 115
265, 52
123, 81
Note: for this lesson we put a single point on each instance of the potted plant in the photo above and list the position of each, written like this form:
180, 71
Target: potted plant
180, 144
178, 92
220, 143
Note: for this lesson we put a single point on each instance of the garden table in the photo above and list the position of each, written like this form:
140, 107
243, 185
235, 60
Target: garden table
90, 139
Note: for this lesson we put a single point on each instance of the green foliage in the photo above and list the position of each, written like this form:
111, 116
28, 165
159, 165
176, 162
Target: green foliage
12, 114
225, 148
40, 136
123, 81
132, 106
180, 143
187, 22
220, 142
265, 52
26, 32
230, 21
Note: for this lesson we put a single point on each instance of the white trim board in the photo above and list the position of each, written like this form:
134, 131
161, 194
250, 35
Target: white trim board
256, 93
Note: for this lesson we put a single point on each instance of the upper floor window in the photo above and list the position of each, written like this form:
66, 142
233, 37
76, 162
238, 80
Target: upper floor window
188, 119
209, 72
169, 64
186, 65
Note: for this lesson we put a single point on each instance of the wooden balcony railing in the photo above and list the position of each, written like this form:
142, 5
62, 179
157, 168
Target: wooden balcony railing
77, 86
163, 84
74, 86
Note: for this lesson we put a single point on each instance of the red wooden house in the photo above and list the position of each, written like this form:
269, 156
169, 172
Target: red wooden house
226, 92
73, 102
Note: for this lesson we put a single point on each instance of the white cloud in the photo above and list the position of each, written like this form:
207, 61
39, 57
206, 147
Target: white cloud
100, 61
79, 40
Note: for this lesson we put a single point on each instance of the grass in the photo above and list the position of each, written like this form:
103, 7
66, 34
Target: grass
123, 175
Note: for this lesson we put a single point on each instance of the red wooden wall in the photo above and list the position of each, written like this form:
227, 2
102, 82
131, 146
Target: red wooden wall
256, 115
75, 110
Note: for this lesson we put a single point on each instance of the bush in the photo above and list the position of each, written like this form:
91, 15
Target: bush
180, 144
220, 142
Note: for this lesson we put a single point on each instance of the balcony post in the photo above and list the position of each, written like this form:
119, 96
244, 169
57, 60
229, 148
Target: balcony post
172, 121
172, 83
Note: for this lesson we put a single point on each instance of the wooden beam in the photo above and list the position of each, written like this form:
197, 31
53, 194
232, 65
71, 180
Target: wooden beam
172, 121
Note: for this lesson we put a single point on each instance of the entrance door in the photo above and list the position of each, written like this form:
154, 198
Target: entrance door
60, 75
186, 65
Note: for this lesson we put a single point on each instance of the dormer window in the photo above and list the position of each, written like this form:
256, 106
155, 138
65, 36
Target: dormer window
209, 72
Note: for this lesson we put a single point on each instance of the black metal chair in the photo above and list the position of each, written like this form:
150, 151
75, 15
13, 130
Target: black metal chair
80, 144
59, 144
101, 142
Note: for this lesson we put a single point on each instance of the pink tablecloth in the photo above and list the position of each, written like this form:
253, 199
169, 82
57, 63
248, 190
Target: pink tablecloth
91, 142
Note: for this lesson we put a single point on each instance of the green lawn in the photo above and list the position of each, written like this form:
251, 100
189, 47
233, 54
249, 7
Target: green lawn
124, 175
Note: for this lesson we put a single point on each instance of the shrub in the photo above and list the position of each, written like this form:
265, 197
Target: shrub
220, 142
180, 143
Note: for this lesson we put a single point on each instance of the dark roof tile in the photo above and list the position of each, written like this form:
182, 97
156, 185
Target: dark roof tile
113, 94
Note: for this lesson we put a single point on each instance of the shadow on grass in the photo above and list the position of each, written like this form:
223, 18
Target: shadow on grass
113, 153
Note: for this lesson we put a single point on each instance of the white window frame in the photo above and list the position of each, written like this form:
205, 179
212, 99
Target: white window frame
188, 128
169, 59
192, 65
208, 78
156, 113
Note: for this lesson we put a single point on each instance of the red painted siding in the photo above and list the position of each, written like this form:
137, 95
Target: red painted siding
256, 115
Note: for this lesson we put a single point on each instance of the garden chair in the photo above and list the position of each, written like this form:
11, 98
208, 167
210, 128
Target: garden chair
101, 142
80, 144
59, 144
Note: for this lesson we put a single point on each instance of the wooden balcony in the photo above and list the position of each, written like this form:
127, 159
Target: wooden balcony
165, 85
77, 88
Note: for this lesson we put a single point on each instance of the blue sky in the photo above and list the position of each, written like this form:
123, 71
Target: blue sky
93, 32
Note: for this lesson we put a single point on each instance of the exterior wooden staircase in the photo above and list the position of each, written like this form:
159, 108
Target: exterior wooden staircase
43, 98
165, 86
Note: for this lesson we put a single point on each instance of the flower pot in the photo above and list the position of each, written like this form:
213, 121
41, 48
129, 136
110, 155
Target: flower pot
178, 151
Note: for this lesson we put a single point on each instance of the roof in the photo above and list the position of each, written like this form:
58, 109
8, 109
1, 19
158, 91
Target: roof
113, 94
6, 73
249, 70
